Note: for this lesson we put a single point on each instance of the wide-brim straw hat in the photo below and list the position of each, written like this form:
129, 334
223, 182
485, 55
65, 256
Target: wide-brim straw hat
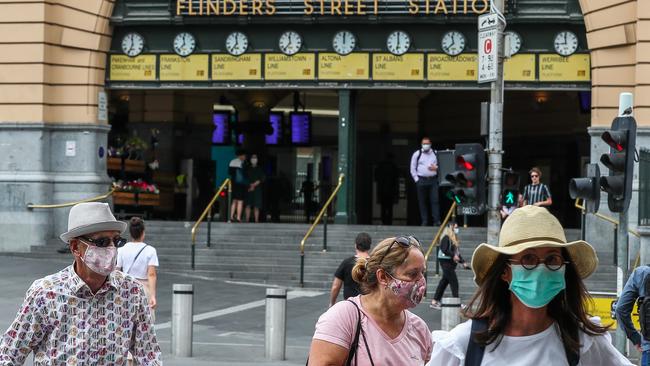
532, 227
91, 217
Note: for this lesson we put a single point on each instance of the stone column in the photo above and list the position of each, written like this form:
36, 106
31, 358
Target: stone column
345, 204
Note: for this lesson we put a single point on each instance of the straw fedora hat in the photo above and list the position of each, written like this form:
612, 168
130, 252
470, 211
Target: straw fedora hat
532, 227
91, 217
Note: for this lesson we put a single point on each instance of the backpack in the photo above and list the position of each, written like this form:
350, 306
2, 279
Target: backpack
475, 351
644, 310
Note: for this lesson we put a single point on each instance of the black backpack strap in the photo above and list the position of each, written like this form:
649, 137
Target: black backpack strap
355, 343
136, 258
475, 351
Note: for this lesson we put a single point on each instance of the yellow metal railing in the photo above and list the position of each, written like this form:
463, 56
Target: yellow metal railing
68, 204
207, 211
436, 238
604, 217
323, 212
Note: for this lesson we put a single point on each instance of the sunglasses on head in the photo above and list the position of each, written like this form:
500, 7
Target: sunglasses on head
103, 242
404, 242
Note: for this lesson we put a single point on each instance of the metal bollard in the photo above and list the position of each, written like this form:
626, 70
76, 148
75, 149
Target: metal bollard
275, 335
182, 313
450, 313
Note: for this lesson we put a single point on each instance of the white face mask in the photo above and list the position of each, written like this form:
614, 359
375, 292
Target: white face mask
254, 161
456, 230
100, 260
426, 147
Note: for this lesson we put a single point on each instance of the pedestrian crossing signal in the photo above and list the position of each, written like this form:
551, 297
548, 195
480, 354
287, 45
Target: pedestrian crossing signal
468, 180
620, 162
510, 197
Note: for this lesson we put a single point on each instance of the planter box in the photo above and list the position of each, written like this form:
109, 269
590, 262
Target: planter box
136, 199
124, 198
148, 199
135, 166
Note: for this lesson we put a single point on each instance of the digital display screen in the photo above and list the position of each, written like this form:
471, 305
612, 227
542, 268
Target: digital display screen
300, 128
221, 133
275, 120
240, 139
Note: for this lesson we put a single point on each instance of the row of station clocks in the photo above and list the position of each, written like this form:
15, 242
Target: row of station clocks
344, 42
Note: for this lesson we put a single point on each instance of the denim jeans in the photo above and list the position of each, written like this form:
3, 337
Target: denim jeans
645, 358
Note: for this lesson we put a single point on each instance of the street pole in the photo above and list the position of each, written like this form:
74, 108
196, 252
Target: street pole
622, 251
495, 137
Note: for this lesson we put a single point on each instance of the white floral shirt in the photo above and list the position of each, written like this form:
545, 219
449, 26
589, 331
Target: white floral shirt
63, 323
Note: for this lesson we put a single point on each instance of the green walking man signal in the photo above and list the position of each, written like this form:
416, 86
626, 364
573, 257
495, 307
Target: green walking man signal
510, 198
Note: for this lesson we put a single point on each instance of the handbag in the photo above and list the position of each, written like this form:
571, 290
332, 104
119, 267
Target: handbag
136, 258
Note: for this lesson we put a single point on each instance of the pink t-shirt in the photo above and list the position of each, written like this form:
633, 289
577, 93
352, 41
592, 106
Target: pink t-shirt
411, 347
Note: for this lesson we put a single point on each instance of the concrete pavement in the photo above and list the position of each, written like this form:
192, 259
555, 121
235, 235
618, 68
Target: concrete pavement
229, 316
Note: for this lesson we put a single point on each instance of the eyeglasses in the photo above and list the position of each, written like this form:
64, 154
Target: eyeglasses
404, 242
103, 242
534, 175
530, 261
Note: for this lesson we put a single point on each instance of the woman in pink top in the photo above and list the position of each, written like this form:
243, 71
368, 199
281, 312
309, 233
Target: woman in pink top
376, 328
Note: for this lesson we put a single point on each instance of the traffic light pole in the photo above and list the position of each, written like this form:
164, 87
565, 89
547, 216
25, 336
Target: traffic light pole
622, 272
495, 137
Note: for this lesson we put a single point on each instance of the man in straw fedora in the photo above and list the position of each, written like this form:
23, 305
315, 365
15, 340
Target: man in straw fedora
530, 305
86, 314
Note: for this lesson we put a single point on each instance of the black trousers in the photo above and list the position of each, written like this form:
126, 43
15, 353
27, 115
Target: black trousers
427, 189
448, 278
387, 211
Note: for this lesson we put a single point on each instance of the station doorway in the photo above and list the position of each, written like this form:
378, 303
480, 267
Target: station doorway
186, 139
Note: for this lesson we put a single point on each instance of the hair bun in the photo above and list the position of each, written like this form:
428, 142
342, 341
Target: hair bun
360, 270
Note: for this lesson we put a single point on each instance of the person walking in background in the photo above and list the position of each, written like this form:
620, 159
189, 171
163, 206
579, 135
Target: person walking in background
424, 170
387, 178
87, 313
530, 307
256, 177
138, 259
537, 193
307, 189
239, 185
449, 257
635, 288
377, 328
343, 275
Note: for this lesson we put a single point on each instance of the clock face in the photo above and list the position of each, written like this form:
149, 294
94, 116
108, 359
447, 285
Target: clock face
566, 43
398, 42
184, 44
344, 42
132, 44
515, 42
290, 43
453, 43
236, 43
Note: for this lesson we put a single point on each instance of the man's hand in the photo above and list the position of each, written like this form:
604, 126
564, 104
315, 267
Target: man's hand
638, 347
433, 167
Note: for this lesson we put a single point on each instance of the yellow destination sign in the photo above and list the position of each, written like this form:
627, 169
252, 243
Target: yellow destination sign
174, 67
519, 68
554, 67
300, 66
442, 67
244, 67
332, 66
386, 66
140, 68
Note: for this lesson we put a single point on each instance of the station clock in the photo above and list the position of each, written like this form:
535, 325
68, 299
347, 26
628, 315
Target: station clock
132, 44
184, 44
398, 42
566, 43
515, 42
453, 43
290, 43
236, 43
344, 42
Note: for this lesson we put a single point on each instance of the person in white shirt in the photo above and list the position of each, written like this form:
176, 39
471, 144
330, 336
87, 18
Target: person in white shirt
530, 306
140, 260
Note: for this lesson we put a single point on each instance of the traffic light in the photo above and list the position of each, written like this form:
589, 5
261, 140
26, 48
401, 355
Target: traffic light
468, 181
621, 139
510, 193
587, 189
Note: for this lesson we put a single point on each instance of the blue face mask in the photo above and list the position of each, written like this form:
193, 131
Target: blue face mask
537, 287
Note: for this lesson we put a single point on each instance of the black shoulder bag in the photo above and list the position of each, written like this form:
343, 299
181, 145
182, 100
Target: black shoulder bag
355, 342
475, 351
136, 258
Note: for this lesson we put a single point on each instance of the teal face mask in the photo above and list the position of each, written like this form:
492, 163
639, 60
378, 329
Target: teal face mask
537, 287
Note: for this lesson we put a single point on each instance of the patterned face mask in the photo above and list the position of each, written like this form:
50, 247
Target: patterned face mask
100, 260
410, 292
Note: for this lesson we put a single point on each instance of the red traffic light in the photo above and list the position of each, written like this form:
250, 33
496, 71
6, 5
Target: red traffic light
465, 161
615, 139
222, 194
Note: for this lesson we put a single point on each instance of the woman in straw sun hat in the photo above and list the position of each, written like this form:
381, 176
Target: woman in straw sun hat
530, 306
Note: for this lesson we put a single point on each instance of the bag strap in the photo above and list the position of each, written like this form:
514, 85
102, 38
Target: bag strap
136, 258
475, 351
